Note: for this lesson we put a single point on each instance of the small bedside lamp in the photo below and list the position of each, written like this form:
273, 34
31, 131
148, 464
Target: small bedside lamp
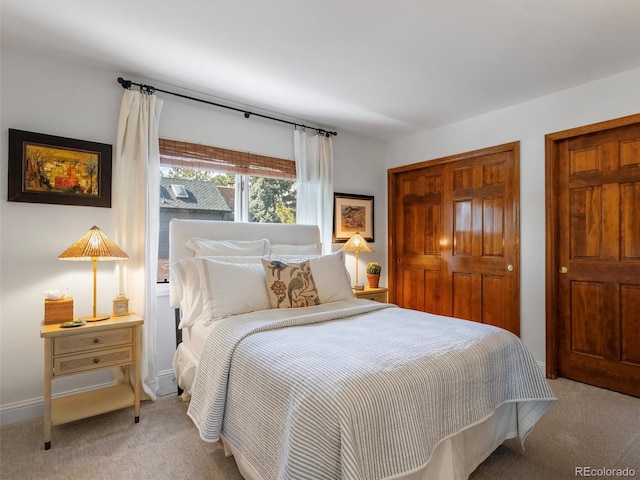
357, 244
93, 245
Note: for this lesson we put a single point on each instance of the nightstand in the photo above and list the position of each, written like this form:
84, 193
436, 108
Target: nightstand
378, 294
104, 344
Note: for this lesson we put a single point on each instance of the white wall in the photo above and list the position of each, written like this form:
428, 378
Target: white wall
59, 97
613, 97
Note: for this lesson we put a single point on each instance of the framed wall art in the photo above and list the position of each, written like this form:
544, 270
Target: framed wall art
351, 214
50, 169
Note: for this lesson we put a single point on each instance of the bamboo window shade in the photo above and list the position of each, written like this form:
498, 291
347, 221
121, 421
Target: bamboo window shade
179, 154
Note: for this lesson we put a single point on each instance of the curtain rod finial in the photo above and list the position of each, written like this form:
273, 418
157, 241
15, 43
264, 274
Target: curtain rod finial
125, 83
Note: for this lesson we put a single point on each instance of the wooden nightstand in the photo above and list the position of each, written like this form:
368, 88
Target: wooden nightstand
108, 343
378, 294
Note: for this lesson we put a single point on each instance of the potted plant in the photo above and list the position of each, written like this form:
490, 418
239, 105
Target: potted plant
373, 274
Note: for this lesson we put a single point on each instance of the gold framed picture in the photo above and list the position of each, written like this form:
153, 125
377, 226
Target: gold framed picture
352, 213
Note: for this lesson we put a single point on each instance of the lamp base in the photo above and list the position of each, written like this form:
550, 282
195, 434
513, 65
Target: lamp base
97, 318
358, 287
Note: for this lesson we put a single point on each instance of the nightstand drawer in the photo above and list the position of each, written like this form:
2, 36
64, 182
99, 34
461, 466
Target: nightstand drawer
376, 297
95, 341
377, 294
85, 362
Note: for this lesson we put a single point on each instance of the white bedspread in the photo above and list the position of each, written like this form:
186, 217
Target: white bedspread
356, 389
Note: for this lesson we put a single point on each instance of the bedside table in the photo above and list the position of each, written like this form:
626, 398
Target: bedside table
378, 294
103, 344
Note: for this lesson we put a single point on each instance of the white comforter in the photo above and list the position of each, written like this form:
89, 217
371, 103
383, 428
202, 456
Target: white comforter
356, 389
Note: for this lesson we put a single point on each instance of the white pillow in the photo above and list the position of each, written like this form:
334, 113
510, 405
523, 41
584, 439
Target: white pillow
186, 287
308, 249
255, 259
204, 247
232, 289
332, 278
330, 275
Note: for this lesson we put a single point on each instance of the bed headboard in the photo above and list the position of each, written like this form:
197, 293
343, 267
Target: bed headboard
181, 231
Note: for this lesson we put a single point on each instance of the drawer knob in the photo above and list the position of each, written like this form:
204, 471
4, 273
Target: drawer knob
96, 340
96, 360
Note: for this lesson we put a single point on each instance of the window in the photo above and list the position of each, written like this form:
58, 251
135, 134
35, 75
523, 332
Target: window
211, 183
179, 191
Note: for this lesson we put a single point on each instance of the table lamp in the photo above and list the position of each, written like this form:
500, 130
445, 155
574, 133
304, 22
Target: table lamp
357, 244
93, 245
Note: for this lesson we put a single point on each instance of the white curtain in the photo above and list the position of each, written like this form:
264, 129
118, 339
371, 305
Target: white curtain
137, 197
314, 174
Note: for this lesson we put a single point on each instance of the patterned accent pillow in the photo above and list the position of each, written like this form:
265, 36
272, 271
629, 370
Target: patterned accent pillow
290, 285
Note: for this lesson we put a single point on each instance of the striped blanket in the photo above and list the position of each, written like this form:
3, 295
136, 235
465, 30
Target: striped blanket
356, 389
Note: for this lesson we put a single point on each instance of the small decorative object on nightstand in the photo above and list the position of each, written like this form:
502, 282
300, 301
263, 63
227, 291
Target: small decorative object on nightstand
378, 294
88, 347
373, 273
120, 306
58, 307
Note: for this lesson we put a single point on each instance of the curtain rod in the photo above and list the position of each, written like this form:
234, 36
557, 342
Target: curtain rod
149, 89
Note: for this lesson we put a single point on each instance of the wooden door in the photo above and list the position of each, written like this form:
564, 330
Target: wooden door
454, 236
597, 253
418, 231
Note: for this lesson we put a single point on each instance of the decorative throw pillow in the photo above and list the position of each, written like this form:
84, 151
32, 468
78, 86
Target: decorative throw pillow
290, 285
330, 274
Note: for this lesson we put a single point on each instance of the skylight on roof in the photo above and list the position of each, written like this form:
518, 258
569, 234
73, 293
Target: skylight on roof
179, 191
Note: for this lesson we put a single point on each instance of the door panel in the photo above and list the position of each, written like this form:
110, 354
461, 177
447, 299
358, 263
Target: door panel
493, 227
586, 318
493, 292
456, 221
630, 231
595, 247
630, 323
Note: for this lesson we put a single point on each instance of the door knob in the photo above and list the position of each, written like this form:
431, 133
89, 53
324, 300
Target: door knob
510, 268
563, 269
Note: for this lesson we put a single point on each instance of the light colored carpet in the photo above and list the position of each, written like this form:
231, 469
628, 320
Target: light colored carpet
588, 427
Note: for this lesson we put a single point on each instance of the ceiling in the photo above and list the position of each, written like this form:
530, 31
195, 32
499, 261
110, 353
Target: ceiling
379, 68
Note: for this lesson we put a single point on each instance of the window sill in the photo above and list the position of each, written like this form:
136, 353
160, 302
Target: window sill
162, 289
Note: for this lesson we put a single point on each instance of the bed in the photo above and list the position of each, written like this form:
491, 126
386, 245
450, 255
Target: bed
298, 379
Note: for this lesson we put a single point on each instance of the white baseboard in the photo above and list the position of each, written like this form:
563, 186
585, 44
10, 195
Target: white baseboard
34, 408
167, 383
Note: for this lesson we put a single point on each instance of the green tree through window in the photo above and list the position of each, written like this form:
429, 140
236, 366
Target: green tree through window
272, 200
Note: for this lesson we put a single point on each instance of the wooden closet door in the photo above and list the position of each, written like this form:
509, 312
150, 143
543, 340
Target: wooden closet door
420, 278
598, 251
484, 255
454, 236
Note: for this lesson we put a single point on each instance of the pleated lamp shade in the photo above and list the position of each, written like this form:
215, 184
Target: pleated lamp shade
357, 244
93, 246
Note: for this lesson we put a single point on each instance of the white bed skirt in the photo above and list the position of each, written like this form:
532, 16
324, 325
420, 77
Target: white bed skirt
454, 458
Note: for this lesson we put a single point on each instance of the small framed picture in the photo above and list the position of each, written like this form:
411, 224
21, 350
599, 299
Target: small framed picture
65, 171
351, 214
